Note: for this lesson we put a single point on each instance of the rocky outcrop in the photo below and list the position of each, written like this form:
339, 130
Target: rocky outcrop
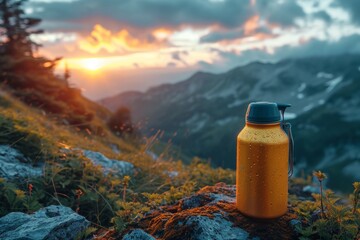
109, 165
211, 214
14, 164
53, 222
138, 234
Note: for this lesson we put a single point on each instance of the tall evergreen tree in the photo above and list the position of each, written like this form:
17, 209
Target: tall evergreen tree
16, 29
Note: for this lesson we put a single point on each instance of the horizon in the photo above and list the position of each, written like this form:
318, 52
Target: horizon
191, 74
133, 46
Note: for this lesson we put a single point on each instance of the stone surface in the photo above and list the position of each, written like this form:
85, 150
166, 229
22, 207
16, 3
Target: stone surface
152, 155
138, 234
311, 189
109, 165
14, 164
53, 222
211, 214
217, 228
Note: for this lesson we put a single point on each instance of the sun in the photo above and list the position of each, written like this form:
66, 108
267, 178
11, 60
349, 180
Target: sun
92, 64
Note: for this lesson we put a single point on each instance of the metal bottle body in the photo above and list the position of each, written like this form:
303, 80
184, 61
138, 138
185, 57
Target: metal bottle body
262, 171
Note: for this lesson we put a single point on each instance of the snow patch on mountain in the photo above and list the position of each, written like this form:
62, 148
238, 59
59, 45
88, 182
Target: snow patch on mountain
324, 75
332, 156
309, 107
332, 83
302, 87
300, 96
197, 122
220, 92
227, 120
236, 103
289, 115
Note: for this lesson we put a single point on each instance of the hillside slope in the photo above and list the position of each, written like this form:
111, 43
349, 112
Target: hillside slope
203, 114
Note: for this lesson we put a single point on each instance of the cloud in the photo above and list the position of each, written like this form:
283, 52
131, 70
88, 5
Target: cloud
151, 13
177, 56
102, 39
316, 47
253, 27
280, 12
217, 36
309, 48
351, 6
323, 16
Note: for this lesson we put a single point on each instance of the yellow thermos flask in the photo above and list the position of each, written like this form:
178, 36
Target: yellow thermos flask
265, 159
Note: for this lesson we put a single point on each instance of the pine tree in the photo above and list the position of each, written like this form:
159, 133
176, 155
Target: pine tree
16, 29
67, 74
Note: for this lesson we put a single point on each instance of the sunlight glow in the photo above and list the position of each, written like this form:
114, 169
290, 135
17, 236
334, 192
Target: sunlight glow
92, 64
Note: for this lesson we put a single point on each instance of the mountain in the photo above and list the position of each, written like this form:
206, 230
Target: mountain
203, 114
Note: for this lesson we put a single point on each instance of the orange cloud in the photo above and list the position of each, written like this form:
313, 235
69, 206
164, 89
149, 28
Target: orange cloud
161, 33
103, 39
251, 25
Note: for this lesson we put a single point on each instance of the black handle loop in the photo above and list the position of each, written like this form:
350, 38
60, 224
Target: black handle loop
287, 128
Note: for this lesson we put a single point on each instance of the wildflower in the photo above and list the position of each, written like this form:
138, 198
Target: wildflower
356, 187
356, 195
125, 181
30, 188
320, 175
78, 193
19, 193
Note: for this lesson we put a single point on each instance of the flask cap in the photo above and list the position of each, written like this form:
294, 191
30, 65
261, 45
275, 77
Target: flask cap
263, 113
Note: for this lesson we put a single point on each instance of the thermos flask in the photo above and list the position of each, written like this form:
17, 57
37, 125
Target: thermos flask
265, 159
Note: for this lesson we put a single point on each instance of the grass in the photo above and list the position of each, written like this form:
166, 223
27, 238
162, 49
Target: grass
72, 180
113, 202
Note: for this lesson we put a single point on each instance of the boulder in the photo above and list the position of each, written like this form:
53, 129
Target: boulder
217, 228
14, 164
109, 165
53, 222
211, 214
138, 234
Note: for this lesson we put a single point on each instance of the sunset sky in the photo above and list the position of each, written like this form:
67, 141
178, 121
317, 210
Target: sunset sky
113, 46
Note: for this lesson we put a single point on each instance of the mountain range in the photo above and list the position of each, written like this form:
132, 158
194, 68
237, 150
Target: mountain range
203, 114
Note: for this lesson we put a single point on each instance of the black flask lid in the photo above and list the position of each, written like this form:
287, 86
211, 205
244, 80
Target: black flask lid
263, 113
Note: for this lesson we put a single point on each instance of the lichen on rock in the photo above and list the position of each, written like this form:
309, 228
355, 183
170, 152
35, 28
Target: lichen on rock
211, 214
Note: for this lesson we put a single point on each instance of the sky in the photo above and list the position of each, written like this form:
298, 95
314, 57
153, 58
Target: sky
112, 46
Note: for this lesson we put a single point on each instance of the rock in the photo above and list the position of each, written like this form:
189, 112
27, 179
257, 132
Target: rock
115, 148
14, 164
109, 165
200, 200
138, 234
53, 222
311, 189
211, 214
172, 174
294, 223
152, 155
217, 228
316, 215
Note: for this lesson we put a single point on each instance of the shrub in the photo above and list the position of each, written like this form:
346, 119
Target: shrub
120, 122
